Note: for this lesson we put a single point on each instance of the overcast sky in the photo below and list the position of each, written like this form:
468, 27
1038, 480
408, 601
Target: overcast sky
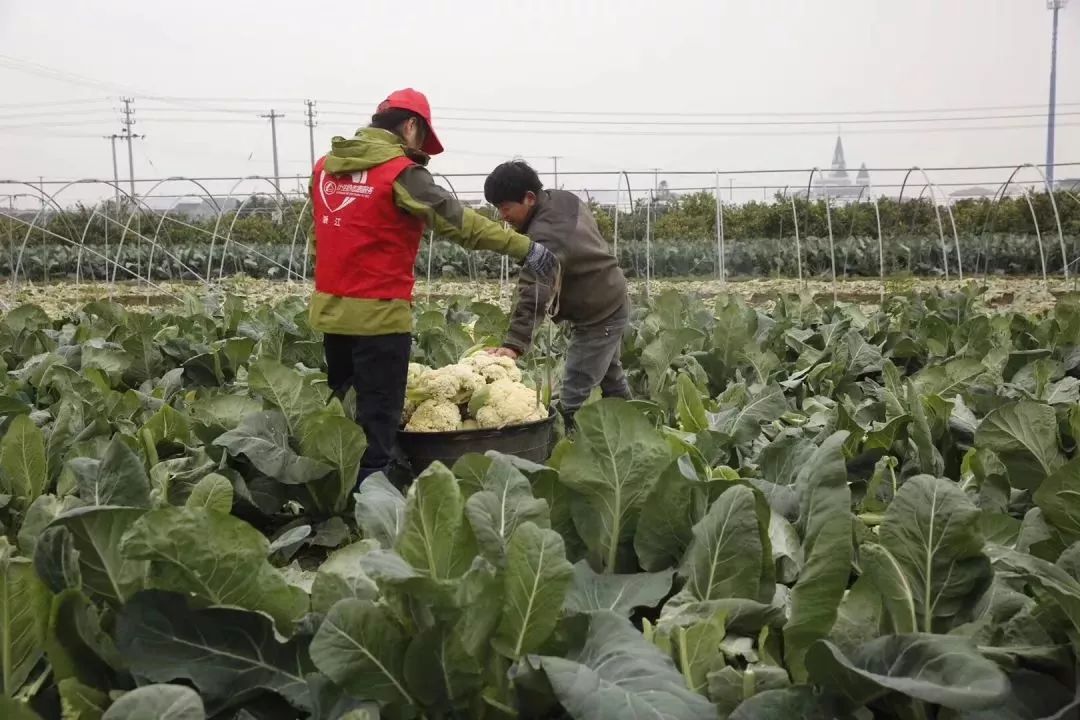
835, 63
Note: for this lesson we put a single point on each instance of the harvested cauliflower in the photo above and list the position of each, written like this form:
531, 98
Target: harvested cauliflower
505, 402
435, 416
492, 367
417, 371
455, 383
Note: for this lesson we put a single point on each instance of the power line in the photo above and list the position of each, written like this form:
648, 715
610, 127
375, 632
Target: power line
737, 123
747, 113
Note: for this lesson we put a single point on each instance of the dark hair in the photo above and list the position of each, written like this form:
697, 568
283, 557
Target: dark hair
510, 181
394, 118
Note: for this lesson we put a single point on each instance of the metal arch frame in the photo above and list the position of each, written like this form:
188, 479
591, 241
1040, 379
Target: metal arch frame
253, 251
937, 215
630, 196
292, 246
221, 215
95, 252
798, 244
1038, 234
11, 237
1065, 262
721, 250
157, 231
33, 223
232, 226
133, 214
828, 222
153, 241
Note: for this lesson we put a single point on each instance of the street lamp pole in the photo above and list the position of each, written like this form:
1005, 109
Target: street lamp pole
1055, 6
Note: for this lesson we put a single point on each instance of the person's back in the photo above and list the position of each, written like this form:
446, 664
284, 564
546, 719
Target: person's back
592, 284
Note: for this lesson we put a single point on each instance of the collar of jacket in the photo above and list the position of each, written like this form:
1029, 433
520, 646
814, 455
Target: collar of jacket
541, 201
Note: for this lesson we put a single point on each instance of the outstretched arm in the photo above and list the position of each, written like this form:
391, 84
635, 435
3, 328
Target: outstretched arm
417, 193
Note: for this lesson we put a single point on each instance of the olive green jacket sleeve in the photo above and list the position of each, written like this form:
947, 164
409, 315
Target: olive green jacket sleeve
417, 193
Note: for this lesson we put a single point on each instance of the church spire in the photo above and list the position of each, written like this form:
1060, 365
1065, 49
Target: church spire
838, 162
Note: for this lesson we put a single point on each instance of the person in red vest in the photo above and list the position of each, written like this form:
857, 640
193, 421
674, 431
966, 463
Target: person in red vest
372, 199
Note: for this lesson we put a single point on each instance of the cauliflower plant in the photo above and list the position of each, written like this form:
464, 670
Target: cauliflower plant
505, 402
455, 383
493, 368
435, 416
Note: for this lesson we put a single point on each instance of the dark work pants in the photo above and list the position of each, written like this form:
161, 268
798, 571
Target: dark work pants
377, 366
594, 358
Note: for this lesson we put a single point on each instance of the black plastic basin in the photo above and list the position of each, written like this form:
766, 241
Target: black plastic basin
532, 441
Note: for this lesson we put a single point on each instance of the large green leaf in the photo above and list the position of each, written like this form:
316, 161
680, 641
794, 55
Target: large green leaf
672, 508
119, 478
97, 531
1051, 579
743, 422
287, 390
888, 577
591, 592
217, 557
500, 507
380, 510
24, 469
263, 438
361, 647
617, 674
658, 355
229, 655
1059, 498
938, 669
162, 702
342, 576
825, 525
340, 443
440, 673
23, 618
168, 426
436, 537
213, 492
932, 531
613, 463
1025, 436
536, 581
726, 556
77, 646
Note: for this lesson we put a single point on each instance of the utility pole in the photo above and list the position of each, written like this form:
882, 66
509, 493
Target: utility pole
273, 138
310, 122
115, 171
1055, 6
555, 160
129, 120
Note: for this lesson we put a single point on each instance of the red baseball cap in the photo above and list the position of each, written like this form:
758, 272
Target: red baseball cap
414, 100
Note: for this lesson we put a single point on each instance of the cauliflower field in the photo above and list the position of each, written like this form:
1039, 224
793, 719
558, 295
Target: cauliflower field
810, 510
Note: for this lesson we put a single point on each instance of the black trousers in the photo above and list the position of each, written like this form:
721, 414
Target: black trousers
377, 367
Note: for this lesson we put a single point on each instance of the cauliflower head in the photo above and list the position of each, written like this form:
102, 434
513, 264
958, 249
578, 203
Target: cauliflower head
454, 383
493, 368
505, 402
435, 416
416, 371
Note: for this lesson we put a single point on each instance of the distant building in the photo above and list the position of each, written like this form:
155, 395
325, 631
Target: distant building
837, 182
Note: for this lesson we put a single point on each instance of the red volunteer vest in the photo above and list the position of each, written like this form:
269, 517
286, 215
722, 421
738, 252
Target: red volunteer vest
365, 245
